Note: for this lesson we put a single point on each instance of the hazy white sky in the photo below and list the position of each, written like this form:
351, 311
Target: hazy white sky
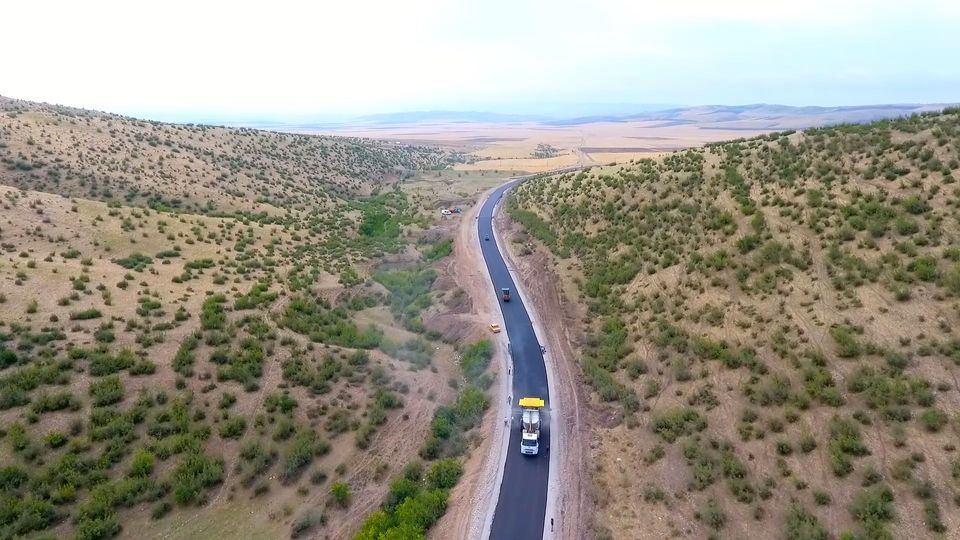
278, 58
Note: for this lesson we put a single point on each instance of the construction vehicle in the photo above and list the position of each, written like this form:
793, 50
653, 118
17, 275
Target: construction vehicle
530, 425
495, 328
505, 294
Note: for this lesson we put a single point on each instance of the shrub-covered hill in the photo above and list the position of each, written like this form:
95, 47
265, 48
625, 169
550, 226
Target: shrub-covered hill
776, 319
236, 364
100, 156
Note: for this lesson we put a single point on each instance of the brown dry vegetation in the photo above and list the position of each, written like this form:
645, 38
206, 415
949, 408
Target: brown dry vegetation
774, 322
204, 331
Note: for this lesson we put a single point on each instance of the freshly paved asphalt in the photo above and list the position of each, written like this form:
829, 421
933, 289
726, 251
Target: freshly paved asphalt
523, 494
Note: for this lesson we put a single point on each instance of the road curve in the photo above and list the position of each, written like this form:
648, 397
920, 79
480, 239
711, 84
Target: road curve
521, 505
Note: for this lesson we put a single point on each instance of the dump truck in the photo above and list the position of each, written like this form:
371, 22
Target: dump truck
505, 294
530, 425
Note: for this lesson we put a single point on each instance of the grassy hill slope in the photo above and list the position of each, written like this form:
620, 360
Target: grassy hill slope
79, 153
774, 319
199, 336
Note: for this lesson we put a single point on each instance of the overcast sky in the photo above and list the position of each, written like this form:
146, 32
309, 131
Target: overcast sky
278, 58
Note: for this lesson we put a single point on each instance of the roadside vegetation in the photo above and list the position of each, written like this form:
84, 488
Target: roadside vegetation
418, 497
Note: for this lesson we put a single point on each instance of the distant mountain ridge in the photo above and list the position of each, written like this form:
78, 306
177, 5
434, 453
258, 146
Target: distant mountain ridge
763, 116
414, 117
754, 113
760, 116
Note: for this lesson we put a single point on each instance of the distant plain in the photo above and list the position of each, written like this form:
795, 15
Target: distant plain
510, 145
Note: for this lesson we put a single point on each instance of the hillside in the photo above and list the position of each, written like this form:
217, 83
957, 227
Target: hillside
771, 324
100, 156
222, 332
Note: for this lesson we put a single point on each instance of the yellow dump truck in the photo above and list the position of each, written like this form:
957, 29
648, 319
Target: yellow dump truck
530, 425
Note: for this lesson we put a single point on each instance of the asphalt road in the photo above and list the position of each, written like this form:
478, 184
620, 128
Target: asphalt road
523, 494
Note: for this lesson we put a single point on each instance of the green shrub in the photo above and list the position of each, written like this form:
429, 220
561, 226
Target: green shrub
136, 261
300, 452
259, 294
476, 359
55, 439
933, 419
199, 264
340, 491
86, 314
807, 443
102, 363
212, 315
410, 519
409, 294
7, 357
925, 268
844, 444
315, 319
401, 489
784, 448
933, 518
194, 473
141, 465
106, 391
57, 401
873, 507
439, 250
234, 428
907, 226
277, 401
183, 360
847, 344
802, 525
444, 474
915, 205
712, 515
673, 423
951, 280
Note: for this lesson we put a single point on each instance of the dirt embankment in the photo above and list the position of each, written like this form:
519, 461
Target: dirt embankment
559, 323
